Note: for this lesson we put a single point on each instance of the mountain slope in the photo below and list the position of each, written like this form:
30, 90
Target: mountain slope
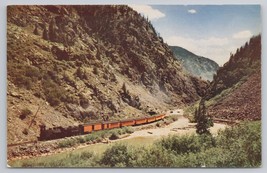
196, 65
74, 64
235, 92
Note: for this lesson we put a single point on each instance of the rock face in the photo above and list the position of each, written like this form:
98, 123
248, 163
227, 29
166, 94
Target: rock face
78, 63
235, 92
195, 65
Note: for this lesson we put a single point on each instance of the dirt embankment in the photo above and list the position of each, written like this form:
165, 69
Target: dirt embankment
182, 126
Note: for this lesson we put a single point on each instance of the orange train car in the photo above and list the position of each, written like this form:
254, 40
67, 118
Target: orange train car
112, 125
87, 128
129, 122
97, 126
140, 121
159, 117
151, 119
105, 125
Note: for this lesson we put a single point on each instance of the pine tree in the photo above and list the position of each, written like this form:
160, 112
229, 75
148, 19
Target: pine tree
52, 30
203, 119
45, 34
196, 115
124, 88
36, 32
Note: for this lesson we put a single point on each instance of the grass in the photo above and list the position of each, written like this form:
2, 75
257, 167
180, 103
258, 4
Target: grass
67, 143
91, 153
95, 137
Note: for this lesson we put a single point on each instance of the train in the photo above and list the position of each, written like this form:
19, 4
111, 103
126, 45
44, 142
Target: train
61, 132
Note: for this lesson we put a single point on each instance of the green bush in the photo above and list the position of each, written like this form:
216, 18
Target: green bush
114, 135
24, 81
129, 129
24, 113
156, 157
81, 140
86, 155
23, 75
67, 143
243, 142
181, 144
116, 156
90, 138
54, 93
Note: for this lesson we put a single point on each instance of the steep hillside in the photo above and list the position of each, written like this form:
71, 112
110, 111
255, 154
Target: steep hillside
235, 92
73, 64
196, 65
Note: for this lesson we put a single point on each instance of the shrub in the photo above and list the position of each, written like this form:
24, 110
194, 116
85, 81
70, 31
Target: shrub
170, 119
90, 137
54, 93
156, 157
24, 81
86, 155
67, 143
81, 139
116, 156
244, 144
95, 71
81, 73
114, 135
25, 131
84, 102
181, 144
129, 129
33, 72
24, 113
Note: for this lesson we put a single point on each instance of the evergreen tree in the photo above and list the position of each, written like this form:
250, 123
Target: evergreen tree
203, 120
124, 88
45, 34
196, 115
52, 30
36, 32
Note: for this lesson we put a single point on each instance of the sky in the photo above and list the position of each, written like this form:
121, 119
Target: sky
212, 31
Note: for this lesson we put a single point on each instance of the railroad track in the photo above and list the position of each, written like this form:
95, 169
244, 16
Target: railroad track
217, 120
22, 143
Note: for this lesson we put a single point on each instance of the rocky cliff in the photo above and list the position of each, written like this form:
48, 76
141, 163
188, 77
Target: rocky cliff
72, 64
235, 92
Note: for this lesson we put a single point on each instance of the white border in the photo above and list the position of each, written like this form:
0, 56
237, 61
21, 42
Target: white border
3, 153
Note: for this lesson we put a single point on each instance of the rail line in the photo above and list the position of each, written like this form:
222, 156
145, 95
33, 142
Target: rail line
218, 120
22, 143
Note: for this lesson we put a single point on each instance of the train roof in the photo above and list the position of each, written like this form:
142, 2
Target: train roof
117, 121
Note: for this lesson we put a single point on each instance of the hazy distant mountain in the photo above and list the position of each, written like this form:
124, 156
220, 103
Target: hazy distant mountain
194, 64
